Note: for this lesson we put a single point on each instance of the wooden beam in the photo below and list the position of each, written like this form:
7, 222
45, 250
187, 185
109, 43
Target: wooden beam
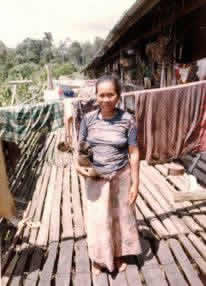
174, 169
190, 196
19, 82
13, 94
49, 77
144, 7
188, 8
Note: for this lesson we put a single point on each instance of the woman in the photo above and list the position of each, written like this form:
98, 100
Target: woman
112, 134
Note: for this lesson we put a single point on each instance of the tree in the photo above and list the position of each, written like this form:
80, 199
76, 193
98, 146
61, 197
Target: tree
22, 71
98, 43
87, 52
3, 73
36, 51
11, 58
47, 48
62, 51
3, 52
48, 37
46, 55
5, 95
29, 51
63, 69
75, 53
7, 61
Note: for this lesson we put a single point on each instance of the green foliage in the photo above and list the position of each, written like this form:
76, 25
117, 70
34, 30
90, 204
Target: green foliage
3, 52
36, 51
24, 92
87, 52
27, 61
75, 53
46, 54
29, 51
61, 53
3, 73
40, 75
48, 38
22, 71
63, 69
5, 95
11, 58
98, 42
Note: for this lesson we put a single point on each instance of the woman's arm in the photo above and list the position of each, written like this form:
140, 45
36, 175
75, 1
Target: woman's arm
134, 164
134, 160
82, 137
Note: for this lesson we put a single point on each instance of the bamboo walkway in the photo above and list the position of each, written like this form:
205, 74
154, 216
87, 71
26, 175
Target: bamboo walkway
48, 189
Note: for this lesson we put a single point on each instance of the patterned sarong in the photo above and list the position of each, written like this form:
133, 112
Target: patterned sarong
111, 224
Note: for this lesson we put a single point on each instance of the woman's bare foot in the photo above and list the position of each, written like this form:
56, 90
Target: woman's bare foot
120, 264
96, 268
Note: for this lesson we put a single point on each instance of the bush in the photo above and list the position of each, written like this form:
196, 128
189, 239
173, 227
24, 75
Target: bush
3, 73
40, 76
63, 69
22, 71
5, 95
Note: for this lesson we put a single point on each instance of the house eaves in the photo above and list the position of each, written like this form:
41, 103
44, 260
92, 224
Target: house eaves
138, 10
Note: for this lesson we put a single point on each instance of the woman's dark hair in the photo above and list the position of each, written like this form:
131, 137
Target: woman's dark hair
111, 78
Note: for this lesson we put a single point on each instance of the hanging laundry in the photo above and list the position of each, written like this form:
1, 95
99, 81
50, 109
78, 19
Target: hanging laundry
171, 121
17, 121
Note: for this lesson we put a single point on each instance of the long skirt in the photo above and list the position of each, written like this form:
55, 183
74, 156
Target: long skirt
110, 221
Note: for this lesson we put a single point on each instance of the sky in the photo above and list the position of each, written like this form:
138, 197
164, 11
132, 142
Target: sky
77, 19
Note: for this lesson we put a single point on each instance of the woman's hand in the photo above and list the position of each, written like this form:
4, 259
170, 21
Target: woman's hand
83, 171
87, 171
133, 192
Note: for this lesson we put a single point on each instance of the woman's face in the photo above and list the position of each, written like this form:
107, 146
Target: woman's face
107, 97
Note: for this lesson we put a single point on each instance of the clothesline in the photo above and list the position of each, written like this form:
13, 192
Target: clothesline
162, 89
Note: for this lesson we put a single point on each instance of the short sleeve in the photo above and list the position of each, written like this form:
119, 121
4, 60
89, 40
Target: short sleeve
132, 133
83, 131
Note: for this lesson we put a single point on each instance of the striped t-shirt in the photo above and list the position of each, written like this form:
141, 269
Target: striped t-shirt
109, 139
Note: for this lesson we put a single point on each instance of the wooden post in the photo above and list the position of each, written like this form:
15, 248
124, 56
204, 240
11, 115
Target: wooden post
49, 77
7, 206
13, 94
14, 84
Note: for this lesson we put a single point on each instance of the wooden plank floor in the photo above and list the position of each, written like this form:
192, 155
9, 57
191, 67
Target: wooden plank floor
173, 236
